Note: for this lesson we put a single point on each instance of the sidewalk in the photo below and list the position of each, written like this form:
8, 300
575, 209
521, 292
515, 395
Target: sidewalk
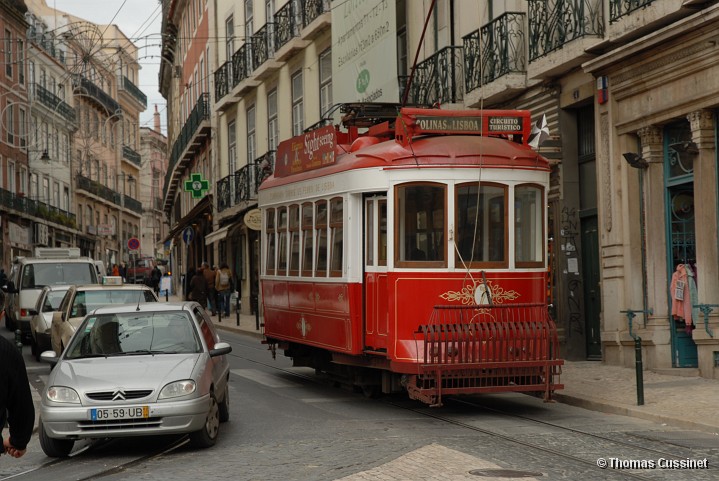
684, 402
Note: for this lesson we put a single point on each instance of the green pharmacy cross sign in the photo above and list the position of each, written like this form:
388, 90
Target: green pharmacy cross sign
197, 185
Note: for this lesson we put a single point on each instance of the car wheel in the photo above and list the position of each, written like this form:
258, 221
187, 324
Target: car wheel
207, 436
224, 406
55, 448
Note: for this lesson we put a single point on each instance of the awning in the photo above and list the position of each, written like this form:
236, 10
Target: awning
205, 205
217, 235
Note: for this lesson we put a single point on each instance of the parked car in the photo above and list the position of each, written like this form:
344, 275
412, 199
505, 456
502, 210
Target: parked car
140, 270
83, 299
150, 369
41, 323
28, 275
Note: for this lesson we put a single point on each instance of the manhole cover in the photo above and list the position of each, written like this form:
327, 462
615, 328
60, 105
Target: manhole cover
504, 473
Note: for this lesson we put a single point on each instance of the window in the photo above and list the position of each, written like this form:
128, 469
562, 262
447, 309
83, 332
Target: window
8, 53
21, 61
321, 238
528, 226
251, 141
229, 37
10, 126
11, 177
45, 190
297, 106
481, 225
420, 236
23, 180
271, 237
231, 146
33, 186
22, 128
55, 194
273, 130
282, 241
294, 227
307, 239
325, 82
336, 234
66, 199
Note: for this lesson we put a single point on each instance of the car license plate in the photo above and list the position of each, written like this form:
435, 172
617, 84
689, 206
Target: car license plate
108, 414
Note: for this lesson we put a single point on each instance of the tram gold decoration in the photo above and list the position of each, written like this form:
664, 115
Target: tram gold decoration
476, 293
303, 326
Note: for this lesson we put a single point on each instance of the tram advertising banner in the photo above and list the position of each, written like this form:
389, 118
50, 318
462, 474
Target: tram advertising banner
305, 152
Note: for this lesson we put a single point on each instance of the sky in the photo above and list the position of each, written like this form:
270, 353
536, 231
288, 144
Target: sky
140, 21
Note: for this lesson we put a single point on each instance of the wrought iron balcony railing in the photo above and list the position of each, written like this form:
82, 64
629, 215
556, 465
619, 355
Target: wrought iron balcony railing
223, 75
620, 8
242, 185
36, 208
133, 90
86, 87
54, 103
553, 23
132, 204
502, 50
286, 26
241, 64
311, 9
437, 79
263, 45
200, 113
130, 154
96, 188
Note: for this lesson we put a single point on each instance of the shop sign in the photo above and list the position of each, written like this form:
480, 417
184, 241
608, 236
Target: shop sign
19, 234
42, 234
253, 219
105, 229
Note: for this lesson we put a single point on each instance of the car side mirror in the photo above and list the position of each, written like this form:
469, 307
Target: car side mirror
57, 316
49, 357
221, 348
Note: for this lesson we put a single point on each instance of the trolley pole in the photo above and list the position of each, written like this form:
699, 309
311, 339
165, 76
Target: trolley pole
638, 364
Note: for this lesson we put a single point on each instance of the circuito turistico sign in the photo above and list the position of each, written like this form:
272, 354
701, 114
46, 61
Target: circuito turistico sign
253, 219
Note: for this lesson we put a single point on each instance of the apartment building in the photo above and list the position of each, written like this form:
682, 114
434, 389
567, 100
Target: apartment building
630, 99
153, 151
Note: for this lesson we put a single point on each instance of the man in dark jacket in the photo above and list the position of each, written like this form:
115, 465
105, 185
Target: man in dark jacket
15, 400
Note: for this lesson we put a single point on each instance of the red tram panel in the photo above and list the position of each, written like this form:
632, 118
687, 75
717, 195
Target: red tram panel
390, 294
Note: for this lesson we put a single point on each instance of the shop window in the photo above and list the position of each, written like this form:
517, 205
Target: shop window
481, 225
321, 238
421, 225
307, 239
528, 226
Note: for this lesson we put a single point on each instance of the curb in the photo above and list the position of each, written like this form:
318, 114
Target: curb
633, 411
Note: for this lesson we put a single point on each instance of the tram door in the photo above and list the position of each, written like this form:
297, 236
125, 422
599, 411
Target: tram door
376, 315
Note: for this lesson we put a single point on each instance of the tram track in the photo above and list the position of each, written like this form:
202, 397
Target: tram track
585, 460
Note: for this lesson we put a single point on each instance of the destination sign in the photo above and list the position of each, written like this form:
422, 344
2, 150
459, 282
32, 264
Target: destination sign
469, 124
309, 151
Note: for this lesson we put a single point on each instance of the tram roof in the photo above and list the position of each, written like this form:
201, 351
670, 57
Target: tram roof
424, 151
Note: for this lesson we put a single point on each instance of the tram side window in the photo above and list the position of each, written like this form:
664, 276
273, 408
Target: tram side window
294, 233
421, 225
481, 225
307, 240
282, 241
528, 226
271, 233
382, 207
336, 232
369, 232
321, 236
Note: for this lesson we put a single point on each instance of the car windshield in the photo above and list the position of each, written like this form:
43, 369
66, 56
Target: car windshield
87, 301
135, 333
38, 275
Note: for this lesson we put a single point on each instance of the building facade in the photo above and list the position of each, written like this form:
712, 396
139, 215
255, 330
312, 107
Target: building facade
153, 151
629, 98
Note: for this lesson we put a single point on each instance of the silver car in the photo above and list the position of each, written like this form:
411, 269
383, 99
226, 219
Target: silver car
41, 321
137, 370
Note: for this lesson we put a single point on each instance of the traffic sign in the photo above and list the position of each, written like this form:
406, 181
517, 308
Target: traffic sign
133, 243
188, 234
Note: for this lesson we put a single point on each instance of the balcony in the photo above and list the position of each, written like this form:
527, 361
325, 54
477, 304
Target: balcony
129, 154
96, 188
183, 148
54, 103
438, 79
502, 54
133, 90
263, 51
241, 187
620, 8
223, 76
132, 204
287, 30
84, 87
36, 208
312, 24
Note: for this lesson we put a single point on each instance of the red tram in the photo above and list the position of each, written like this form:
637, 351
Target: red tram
407, 250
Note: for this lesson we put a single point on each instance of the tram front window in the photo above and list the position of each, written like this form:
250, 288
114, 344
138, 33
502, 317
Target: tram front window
481, 224
421, 225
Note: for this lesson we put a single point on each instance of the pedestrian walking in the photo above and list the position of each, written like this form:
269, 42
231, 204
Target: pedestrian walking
155, 277
211, 291
188, 277
198, 288
123, 271
224, 287
115, 270
16, 405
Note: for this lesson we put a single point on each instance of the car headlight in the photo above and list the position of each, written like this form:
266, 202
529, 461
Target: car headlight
60, 394
177, 389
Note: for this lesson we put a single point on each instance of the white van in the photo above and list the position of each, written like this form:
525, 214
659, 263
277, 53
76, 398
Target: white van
28, 275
